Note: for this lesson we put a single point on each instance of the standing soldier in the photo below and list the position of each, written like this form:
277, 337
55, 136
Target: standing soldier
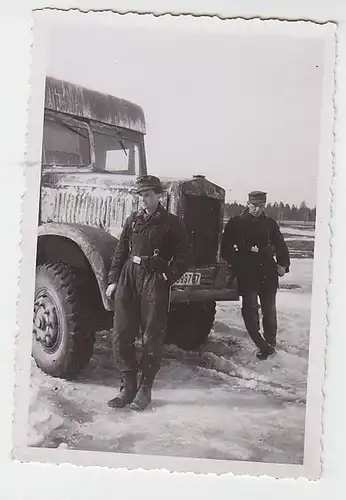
152, 253
250, 242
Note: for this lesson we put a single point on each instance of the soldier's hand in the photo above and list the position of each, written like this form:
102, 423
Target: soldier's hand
111, 289
281, 271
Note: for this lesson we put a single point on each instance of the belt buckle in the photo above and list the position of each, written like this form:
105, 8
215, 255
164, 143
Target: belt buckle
136, 259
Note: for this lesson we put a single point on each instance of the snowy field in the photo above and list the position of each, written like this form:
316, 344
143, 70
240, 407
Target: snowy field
219, 403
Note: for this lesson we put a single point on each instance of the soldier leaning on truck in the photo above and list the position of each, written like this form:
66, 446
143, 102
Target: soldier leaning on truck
249, 243
152, 253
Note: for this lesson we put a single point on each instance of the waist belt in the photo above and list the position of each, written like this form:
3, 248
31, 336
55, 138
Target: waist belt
139, 259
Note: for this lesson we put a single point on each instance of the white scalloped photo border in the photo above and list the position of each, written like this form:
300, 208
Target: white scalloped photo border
31, 171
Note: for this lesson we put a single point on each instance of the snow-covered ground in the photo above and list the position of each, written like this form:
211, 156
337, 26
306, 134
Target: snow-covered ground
308, 231
220, 402
43, 416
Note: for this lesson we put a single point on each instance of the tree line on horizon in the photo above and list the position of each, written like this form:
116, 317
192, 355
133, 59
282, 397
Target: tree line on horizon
278, 211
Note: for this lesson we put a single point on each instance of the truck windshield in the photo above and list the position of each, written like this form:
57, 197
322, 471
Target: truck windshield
65, 143
115, 151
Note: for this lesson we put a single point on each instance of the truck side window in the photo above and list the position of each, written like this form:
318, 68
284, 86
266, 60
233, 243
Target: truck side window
115, 153
64, 144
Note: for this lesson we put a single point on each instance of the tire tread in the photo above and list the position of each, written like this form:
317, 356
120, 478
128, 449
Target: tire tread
190, 324
68, 281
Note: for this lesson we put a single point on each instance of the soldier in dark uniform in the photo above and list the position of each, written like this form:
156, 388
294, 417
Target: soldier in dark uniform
253, 244
152, 253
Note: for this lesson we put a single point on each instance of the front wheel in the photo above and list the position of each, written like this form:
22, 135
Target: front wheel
190, 324
62, 344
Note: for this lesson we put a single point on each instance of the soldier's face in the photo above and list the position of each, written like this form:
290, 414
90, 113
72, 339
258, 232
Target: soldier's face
149, 199
256, 209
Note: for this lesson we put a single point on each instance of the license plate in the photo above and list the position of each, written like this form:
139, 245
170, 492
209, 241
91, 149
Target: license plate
189, 279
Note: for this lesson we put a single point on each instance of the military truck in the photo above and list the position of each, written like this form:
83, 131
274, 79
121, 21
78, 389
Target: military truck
92, 152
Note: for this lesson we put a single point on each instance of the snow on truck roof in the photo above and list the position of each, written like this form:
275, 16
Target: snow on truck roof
82, 102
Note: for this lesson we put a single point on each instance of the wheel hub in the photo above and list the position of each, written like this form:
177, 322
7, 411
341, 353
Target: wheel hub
45, 324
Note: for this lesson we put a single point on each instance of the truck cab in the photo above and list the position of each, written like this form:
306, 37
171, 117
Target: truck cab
93, 149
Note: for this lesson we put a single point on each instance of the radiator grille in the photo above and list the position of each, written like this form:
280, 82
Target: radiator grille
202, 217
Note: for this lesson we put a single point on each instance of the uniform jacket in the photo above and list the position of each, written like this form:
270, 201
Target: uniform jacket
255, 271
143, 234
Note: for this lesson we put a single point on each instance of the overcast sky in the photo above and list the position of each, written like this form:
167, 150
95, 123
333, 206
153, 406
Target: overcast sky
242, 109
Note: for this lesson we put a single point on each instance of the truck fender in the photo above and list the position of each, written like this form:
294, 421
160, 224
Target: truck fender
96, 244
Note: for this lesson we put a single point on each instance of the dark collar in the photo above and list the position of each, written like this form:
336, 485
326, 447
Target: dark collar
159, 211
246, 214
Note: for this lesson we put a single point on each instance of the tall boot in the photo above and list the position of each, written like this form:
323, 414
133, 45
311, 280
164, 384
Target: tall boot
142, 399
143, 396
128, 390
265, 353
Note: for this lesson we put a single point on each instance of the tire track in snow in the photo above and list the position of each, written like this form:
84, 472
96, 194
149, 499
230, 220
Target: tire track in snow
211, 364
246, 378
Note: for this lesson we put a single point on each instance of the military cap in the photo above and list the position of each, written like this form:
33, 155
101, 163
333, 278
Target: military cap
148, 182
257, 197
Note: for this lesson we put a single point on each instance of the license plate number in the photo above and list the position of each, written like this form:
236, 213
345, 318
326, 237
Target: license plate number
189, 279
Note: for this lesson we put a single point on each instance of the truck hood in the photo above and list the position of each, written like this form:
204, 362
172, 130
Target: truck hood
192, 186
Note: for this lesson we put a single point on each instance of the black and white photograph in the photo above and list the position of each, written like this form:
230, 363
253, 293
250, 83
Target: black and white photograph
180, 244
